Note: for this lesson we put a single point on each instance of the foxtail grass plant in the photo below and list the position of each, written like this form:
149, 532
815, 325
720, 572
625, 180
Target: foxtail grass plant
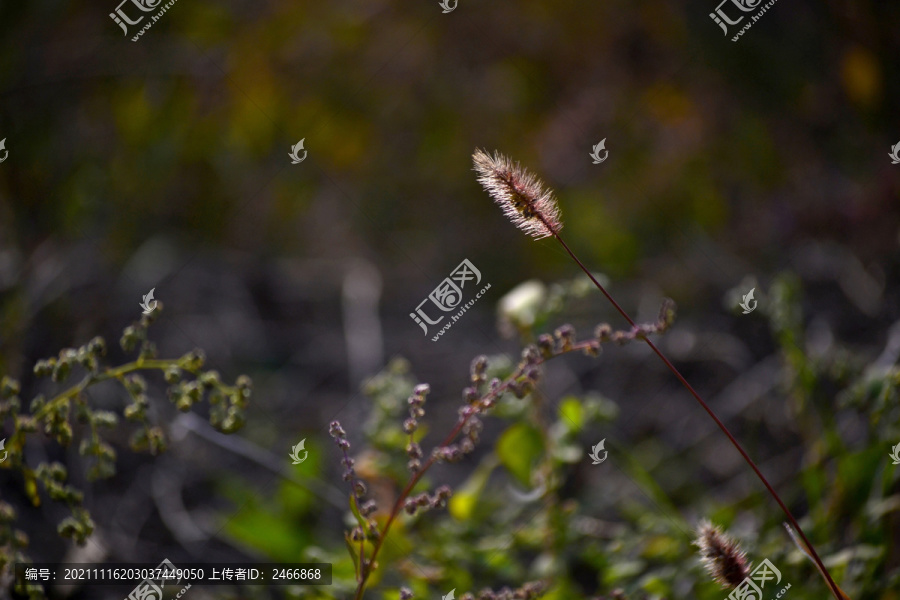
532, 208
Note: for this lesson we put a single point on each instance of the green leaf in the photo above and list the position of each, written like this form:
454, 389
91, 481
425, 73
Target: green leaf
31, 486
518, 449
260, 526
465, 498
266, 524
571, 414
355, 510
352, 550
856, 474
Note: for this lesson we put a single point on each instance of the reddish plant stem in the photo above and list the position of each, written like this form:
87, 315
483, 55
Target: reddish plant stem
709, 411
395, 511
365, 572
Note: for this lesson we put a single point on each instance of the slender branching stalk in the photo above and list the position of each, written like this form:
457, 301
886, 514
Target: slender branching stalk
480, 398
533, 209
187, 384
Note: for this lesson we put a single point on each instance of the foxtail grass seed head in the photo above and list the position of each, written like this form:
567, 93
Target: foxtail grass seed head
723, 558
522, 196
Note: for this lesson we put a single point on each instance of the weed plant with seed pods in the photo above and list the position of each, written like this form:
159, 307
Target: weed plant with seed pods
538, 542
367, 539
68, 416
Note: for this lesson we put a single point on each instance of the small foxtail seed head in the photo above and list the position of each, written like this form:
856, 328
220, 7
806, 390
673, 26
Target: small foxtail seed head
723, 558
522, 196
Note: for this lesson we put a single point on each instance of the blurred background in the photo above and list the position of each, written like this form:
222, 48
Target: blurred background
762, 163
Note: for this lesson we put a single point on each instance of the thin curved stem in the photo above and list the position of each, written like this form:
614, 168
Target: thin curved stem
832, 585
107, 374
364, 571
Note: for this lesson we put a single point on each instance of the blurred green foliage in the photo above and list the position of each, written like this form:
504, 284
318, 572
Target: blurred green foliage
71, 414
496, 532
